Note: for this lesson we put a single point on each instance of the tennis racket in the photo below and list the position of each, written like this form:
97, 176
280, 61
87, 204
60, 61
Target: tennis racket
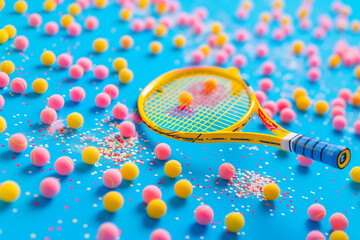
218, 116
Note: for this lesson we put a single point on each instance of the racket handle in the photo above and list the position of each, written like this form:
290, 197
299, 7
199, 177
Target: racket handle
333, 155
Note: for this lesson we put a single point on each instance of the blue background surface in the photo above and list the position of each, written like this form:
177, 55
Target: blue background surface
77, 211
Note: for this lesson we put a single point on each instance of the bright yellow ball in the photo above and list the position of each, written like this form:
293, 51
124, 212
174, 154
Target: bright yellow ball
271, 191
285, 19
48, 58
355, 99
4, 36
113, 201
129, 171
179, 41
100, 3
247, 4
338, 235
91, 155
216, 27
11, 30
75, 120
172, 168
40, 85
355, 174
334, 61
125, 14
160, 30
20, 6
100, 45
66, 20
126, 75
9, 191
74, 9
156, 208
119, 64
265, 17
355, 25
155, 47
206, 49
303, 103
49, 5
234, 221
357, 72
2, 4
3, 124
161, 8
221, 39
7, 67
183, 188
143, 3
298, 47
321, 107
185, 99
278, 4
299, 92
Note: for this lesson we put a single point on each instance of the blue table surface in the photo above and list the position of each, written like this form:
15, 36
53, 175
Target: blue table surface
77, 211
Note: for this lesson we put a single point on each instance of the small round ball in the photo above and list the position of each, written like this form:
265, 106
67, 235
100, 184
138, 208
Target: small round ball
91, 23
185, 99
4, 79
172, 168
11, 30
204, 214
160, 30
64, 166
234, 221
162, 151
160, 234
102, 100
2, 101
9, 191
48, 58
127, 129
75, 120
119, 64
129, 171
338, 221
7, 67
156, 208
100, 45
304, 161
4, 36
51, 28
48, 116
227, 171
3, 124
49, 5
85, 63
126, 42
40, 85
287, 115
113, 201
21, 43
112, 90
315, 235
35, 20
18, 143
91, 155
112, 178
101, 72
316, 212
155, 47
357, 127
50, 187
126, 75
74, 29
108, 231
271, 191
76, 71
303, 103
355, 174
77, 94
125, 14
100, 3
20, 6
39, 156
268, 68
339, 123
66, 20
179, 41
183, 188
283, 103
266, 84
74, 9
299, 92
120, 111
64, 60
321, 107
338, 235
151, 192
18, 85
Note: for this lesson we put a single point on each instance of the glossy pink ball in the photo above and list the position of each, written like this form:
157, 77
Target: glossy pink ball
316, 212
74, 29
18, 85
226, 171
35, 20
64, 60
102, 100
18, 143
315, 235
338, 221
48, 116
77, 94
50, 187
112, 90
287, 115
112, 178
204, 214
160, 234
51, 28
120, 111
85, 63
4, 79
150, 193
56, 102
91, 23
101, 72
76, 71
339, 123
304, 161
39, 156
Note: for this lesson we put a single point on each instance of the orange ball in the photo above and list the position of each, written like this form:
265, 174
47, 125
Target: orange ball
185, 99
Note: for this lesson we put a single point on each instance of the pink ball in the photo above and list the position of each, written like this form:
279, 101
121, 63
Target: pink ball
242, 14
271, 105
2, 101
18, 85
112, 90
241, 35
18, 143
56, 102
316, 212
314, 74
261, 96
112, 178
240, 60
325, 22
211, 40
319, 33
102, 100
345, 94
160, 234
336, 6
39, 156
64, 166
4, 79
64, 60
21, 43
312, 49
268, 68
261, 29
315, 235
229, 48
338, 111
76, 71
338, 221
198, 27
149, 23
262, 50
283, 103
268, 112
221, 57
198, 56
314, 61
50, 187
202, 12
77, 94
35, 20
91, 23
287, 115
305, 24
138, 25
108, 231
120, 111
338, 102
150, 193
204, 214
51, 28
305, 162
162, 151
278, 34
101, 72
339, 122
183, 19
48, 116
226, 171
266, 84
74, 29
85, 63
127, 129
84, 3
357, 127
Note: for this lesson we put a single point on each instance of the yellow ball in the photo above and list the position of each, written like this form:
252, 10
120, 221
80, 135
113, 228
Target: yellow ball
4, 36
338, 235
66, 20
10, 30
75, 120
298, 92
303, 103
355, 174
160, 30
126, 75
355, 99
143, 3
247, 4
155, 47
265, 17
74, 9
183, 188
172, 168
2, 4
40, 85
125, 14
321, 107
298, 47
20, 6
126, 42
9, 191
185, 99
7, 67
234, 221
221, 39
161, 8
156, 208
179, 41
334, 61
119, 64
91, 155
3, 124
357, 72
278, 4
206, 49
113, 201
49, 5
48, 58
129, 171
355, 25
271, 191
100, 45
216, 27
100, 3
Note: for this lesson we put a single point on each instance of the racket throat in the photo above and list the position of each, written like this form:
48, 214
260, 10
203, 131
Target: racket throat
286, 142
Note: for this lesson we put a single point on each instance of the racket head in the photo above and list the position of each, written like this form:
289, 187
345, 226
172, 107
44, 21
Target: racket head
228, 108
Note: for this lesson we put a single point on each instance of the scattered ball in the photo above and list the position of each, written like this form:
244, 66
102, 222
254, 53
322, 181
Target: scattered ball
321, 107
18, 143
100, 45
156, 208
339, 122
7, 67
91, 155
64, 166
65, 60
151, 192
304, 161
66, 20
120, 64
129, 171
126, 42
85, 63
91, 23
126, 75
108, 231
204, 214
56, 102
172, 168
338, 235
48, 116
234, 221
315, 235
355, 174
4, 36
18, 85
102, 100
9, 191
35, 20
40, 85
48, 58
77, 94
21, 43
120, 111
75, 120
112, 178
227, 171
112, 90
316, 212
160, 234
183, 188
162, 151
127, 129
20, 6
50, 187
179, 41
76, 71
185, 99
303, 103
271, 191
155, 47
3, 124
113, 201
11, 30
338, 221
39, 156
287, 115
4, 79
101, 72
